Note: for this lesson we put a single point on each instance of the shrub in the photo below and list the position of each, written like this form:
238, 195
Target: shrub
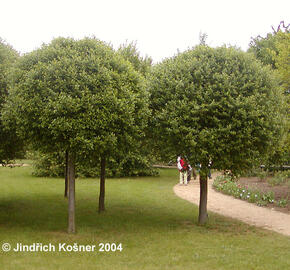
282, 202
262, 175
52, 165
279, 178
256, 172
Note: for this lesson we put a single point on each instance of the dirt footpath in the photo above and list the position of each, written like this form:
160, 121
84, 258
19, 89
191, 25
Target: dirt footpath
234, 208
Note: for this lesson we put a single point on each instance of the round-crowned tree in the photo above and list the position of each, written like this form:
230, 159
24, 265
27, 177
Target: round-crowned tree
136, 162
10, 144
79, 97
215, 104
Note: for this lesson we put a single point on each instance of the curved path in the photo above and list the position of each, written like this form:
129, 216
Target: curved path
235, 208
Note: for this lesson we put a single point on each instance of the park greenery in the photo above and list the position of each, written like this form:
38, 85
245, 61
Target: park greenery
229, 186
157, 229
78, 97
215, 104
10, 145
137, 162
82, 108
273, 50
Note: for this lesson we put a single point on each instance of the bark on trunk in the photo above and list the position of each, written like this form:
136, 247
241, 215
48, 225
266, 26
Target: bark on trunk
66, 175
71, 194
102, 185
202, 218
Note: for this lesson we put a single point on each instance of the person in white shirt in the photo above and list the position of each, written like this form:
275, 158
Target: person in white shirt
182, 167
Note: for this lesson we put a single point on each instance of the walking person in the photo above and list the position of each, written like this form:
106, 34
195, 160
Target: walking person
209, 166
189, 171
182, 167
194, 172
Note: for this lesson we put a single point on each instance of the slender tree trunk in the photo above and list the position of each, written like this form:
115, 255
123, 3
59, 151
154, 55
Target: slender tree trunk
71, 194
102, 185
66, 175
202, 218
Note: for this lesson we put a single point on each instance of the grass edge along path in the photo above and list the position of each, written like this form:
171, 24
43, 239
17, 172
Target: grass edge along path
235, 208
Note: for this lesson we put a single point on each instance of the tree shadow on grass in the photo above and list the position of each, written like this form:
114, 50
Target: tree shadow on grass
149, 205
50, 213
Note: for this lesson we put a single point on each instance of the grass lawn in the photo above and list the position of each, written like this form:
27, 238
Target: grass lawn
157, 229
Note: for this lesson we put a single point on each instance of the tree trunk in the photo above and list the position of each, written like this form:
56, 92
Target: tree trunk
71, 194
102, 185
202, 218
66, 175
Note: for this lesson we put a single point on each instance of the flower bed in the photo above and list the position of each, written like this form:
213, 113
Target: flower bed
226, 185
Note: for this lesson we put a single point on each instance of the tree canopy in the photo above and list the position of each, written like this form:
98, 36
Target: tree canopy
10, 145
282, 59
273, 50
266, 49
130, 52
79, 96
215, 104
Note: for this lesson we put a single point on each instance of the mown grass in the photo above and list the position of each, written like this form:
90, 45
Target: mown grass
157, 229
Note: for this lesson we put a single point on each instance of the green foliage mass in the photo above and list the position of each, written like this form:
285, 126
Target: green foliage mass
283, 67
10, 145
130, 52
216, 104
53, 165
78, 96
8, 56
274, 50
265, 49
282, 59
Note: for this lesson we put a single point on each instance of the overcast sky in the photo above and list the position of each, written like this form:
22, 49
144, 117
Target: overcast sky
160, 27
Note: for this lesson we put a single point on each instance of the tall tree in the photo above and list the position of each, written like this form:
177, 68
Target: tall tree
140, 157
215, 104
10, 144
282, 58
80, 97
274, 50
267, 48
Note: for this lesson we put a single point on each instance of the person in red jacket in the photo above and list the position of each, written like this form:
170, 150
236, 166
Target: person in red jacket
182, 167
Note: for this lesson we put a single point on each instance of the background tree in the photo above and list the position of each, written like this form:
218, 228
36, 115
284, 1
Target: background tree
80, 97
10, 145
266, 48
215, 104
137, 162
131, 53
202, 38
142, 153
282, 58
282, 154
274, 50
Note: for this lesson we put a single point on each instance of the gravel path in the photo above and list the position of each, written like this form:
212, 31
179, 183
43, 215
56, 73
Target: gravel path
234, 208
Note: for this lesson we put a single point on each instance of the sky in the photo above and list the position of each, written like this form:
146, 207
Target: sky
159, 27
